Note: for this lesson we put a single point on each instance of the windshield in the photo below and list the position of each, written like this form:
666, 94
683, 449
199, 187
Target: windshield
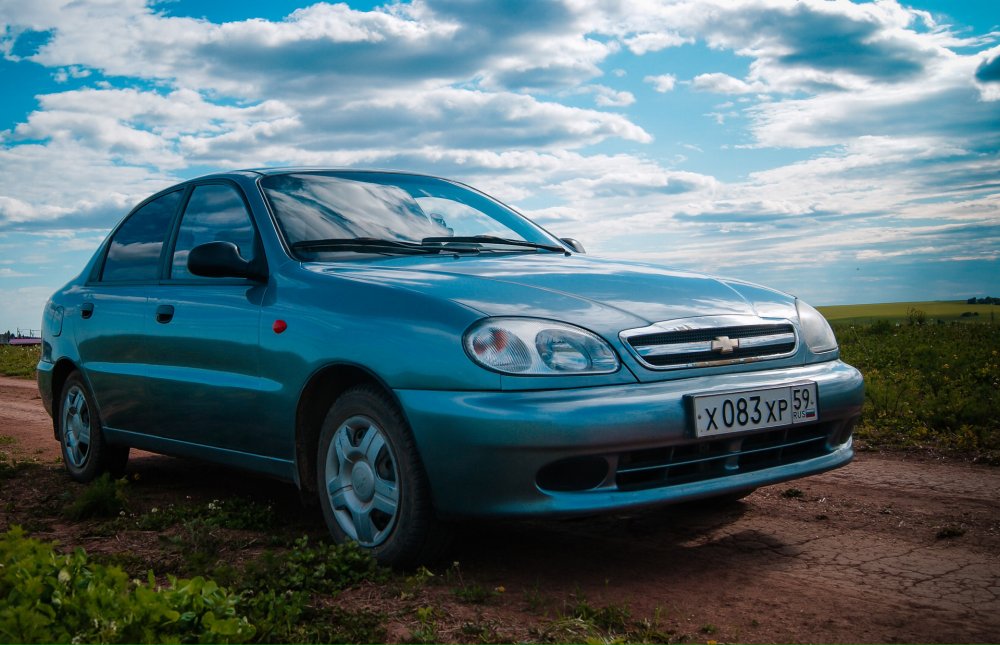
323, 213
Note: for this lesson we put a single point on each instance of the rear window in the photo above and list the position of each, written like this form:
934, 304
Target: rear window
134, 252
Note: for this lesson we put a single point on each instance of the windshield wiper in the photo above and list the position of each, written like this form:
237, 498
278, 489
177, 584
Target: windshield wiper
426, 246
492, 239
364, 245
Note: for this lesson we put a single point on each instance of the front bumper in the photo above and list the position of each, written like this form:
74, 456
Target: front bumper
544, 452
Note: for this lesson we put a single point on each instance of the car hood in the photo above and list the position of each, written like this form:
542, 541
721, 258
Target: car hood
604, 295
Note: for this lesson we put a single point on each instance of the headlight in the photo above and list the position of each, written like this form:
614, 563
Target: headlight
535, 347
816, 331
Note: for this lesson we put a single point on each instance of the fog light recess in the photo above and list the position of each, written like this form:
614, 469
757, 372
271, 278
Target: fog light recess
573, 474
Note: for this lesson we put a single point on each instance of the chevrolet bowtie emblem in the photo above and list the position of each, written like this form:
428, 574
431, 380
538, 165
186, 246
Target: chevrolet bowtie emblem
725, 344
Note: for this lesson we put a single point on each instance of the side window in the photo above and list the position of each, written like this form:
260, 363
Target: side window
134, 253
214, 213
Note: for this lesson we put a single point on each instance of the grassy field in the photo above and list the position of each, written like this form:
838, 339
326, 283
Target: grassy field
19, 361
903, 311
933, 387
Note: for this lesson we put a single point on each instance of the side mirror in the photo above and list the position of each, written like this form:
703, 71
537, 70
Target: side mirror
223, 260
573, 244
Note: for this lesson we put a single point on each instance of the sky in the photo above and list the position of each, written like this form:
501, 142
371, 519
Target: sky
844, 152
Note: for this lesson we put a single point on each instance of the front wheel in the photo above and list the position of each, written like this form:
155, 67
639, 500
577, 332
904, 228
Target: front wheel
84, 451
372, 487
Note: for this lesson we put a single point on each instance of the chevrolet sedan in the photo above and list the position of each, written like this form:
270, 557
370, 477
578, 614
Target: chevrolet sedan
409, 351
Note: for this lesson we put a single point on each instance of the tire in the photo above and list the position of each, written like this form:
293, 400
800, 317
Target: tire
85, 453
372, 486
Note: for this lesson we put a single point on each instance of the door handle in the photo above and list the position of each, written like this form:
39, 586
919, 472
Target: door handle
164, 314
86, 310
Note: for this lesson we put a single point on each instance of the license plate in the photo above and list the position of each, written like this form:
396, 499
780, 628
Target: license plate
719, 414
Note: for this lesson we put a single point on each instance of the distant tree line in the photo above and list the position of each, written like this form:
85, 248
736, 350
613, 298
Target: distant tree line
7, 337
988, 300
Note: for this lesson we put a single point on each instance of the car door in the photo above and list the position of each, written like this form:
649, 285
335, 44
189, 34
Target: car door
112, 314
204, 363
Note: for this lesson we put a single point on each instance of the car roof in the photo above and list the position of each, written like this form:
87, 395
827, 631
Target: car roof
319, 169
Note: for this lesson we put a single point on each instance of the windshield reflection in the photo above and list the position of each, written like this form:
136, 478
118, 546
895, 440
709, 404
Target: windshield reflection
386, 206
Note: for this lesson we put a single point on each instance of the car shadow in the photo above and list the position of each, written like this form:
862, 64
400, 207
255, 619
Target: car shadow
662, 544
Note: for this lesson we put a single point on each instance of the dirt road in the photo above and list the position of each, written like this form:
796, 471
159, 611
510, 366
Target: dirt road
890, 548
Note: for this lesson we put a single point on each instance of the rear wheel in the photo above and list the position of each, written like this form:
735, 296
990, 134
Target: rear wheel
372, 487
84, 451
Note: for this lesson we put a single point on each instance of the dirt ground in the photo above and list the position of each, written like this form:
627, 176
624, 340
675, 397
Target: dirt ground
892, 548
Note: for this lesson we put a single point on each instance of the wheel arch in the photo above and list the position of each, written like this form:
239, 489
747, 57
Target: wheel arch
319, 393
63, 368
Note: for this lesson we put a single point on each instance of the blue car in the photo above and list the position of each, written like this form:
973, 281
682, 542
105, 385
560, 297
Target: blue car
411, 351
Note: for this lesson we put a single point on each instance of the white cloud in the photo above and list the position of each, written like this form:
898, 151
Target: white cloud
724, 84
654, 41
12, 273
662, 83
70, 185
607, 97
73, 71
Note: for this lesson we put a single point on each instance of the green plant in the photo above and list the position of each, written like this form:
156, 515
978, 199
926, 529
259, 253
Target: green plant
415, 583
279, 591
319, 568
475, 594
282, 598
649, 630
426, 631
236, 513
56, 598
792, 493
11, 468
610, 618
470, 592
569, 629
295, 617
200, 543
104, 497
916, 316
582, 623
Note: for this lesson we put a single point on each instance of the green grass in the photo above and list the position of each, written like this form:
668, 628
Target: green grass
19, 360
931, 387
51, 597
901, 312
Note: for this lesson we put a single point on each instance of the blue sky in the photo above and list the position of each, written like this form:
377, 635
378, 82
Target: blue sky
844, 152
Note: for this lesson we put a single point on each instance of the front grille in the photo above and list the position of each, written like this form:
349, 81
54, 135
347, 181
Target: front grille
707, 346
682, 464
